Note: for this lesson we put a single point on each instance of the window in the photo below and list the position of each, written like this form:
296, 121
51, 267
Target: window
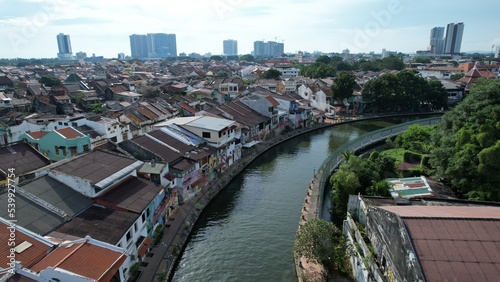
128, 236
74, 124
147, 212
57, 150
206, 134
143, 217
85, 147
72, 150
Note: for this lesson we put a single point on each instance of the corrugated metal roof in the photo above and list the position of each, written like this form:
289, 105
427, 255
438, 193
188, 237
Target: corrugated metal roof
445, 211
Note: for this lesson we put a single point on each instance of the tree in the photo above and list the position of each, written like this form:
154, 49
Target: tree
344, 183
248, 58
324, 59
422, 60
322, 242
50, 81
380, 188
466, 148
271, 74
343, 85
392, 63
216, 58
457, 76
414, 137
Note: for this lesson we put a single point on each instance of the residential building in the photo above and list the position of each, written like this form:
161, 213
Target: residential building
286, 86
436, 44
83, 259
268, 49
424, 239
64, 46
287, 70
453, 40
139, 46
161, 45
265, 105
44, 204
23, 159
93, 173
230, 47
5, 82
30, 248
58, 144
317, 97
5, 102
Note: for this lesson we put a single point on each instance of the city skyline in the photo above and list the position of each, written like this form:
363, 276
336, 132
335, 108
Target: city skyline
359, 25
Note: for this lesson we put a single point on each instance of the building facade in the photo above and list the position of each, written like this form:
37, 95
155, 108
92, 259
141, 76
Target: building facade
230, 47
64, 46
453, 40
268, 49
139, 46
436, 44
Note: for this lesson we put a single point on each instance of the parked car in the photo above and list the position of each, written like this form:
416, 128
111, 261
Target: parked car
330, 115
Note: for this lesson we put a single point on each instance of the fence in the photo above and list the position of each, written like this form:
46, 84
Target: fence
337, 157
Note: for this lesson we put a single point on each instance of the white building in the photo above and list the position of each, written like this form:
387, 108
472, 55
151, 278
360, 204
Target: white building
316, 97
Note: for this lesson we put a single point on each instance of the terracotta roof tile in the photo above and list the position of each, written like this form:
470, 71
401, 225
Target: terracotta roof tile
37, 134
85, 259
69, 133
29, 256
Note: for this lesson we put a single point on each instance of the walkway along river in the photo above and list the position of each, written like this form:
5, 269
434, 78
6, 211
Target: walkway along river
247, 232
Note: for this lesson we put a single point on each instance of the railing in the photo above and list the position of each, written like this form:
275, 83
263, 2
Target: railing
337, 157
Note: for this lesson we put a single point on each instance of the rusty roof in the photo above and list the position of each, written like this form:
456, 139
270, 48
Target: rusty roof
85, 259
167, 154
454, 243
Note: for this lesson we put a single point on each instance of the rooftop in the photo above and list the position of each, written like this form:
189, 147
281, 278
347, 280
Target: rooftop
58, 195
37, 250
134, 195
69, 133
454, 243
211, 123
96, 166
101, 223
21, 157
85, 259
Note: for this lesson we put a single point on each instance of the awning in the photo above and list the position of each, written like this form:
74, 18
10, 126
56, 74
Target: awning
199, 181
219, 166
250, 144
145, 245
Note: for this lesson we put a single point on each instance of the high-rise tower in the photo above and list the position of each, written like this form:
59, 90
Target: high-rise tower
453, 40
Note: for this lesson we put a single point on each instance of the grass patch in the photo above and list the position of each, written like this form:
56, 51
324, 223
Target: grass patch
397, 154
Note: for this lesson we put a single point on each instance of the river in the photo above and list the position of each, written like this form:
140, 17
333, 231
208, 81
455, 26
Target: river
248, 231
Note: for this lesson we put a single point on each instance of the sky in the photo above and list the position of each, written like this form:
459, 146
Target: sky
102, 27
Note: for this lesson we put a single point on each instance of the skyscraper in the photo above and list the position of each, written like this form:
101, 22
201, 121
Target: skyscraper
64, 46
230, 47
153, 45
453, 41
139, 46
437, 41
268, 49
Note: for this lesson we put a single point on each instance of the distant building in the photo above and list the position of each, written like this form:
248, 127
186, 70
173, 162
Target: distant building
64, 46
453, 40
81, 55
436, 44
139, 46
161, 45
497, 52
268, 49
230, 47
121, 56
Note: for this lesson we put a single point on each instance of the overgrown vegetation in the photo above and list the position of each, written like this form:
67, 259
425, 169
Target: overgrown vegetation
467, 144
322, 242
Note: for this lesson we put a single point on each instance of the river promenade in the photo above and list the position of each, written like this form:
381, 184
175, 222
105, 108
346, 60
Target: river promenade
158, 265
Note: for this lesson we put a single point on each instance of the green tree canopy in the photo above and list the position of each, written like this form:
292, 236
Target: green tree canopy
342, 87
50, 81
323, 59
271, 74
466, 143
322, 242
248, 58
216, 58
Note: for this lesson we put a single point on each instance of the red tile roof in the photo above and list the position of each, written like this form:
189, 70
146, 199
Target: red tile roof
37, 134
144, 248
454, 243
84, 259
69, 133
29, 256
272, 100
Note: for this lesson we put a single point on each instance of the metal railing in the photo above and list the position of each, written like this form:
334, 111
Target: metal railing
337, 157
